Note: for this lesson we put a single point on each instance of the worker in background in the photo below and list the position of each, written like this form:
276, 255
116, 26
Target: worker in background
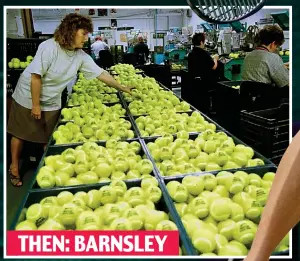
264, 64
141, 51
200, 63
98, 46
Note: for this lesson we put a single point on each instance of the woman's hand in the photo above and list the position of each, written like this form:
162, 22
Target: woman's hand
126, 89
36, 112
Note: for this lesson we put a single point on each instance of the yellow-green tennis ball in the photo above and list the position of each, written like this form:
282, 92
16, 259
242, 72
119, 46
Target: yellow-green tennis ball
123, 206
94, 199
266, 184
244, 176
243, 249
64, 197
251, 190
286, 240
153, 217
221, 241
110, 213
135, 196
137, 220
48, 203
81, 195
192, 225
269, 176
190, 198
281, 248
244, 232
220, 209
222, 191
73, 182
26, 225
237, 212
45, 180
234, 185
22, 216
99, 214
254, 180
226, 228
69, 214
153, 193
79, 203
252, 209
222, 176
54, 212
121, 224
166, 225
204, 241
261, 196
179, 194
210, 196
107, 195
149, 181
51, 224
231, 250
210, 182
61, 178
193, 184
37, 214
199, 207
87, 218
182, 208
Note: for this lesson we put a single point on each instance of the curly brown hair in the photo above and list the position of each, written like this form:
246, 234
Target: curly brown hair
66, 31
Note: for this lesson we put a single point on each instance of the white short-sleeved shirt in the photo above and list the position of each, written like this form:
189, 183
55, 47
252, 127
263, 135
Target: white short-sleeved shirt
97, 47
57, 68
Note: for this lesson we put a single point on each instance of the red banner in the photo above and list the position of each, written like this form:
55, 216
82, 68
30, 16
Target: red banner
92, 243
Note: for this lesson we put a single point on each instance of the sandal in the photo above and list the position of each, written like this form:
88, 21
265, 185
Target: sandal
14, 180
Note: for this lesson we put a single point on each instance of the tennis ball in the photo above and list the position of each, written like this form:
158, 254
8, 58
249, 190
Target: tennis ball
82, 195
286, 240
61, 178
68, 215
93, 199
73, 182
237, 212
221, 241
281, 248
121, 224
48, 203
64, 197
149, 181
266, 184
240, 246
210, 182
54, 212
51, 224
269, 176
244, 177
222, 176
137, 221
182, 208
204, 241
87, 218
80, 203
123, 206
211, 223
45, 180
210, 196
193, 184
26, 225
199, 207
166, 225
153, 217
107, 195
226, 228
261, 196
153, 193
192, 225
37, 214
222, 191
233, 248
234, 184
190, 198
142, 210
22, 216
177, 191
251, 190
110, 213
135, 196
244, 232
254, 180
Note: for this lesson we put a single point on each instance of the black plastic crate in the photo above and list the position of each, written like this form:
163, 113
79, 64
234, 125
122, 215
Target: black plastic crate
164, 205
266, 130
22, 47
58, 149
257, 170
267, 161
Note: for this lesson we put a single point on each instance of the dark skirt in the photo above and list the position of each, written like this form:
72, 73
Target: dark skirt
23, 126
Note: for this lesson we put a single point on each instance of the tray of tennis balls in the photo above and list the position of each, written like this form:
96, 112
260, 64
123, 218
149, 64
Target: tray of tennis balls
87, 125
92, 163
172, 123
221, 210
119, 205
208, 151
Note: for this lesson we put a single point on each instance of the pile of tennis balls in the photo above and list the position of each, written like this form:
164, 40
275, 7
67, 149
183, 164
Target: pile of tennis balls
221, 213
210, 151
112, 207
171, 123
92, 163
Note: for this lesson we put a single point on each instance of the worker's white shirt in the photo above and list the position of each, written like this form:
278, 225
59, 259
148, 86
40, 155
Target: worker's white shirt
97, 47
57, 68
